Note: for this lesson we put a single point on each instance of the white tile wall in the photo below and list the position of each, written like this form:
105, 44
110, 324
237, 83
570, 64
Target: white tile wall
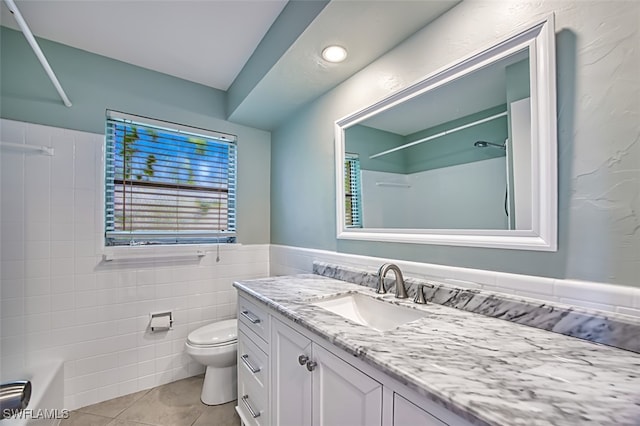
58, 299
285, 260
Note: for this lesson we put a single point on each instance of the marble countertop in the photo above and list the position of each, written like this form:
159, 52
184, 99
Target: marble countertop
486, 370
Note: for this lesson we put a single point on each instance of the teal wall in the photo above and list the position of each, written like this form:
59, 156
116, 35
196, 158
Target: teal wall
95, 83
598, 153
457, 148
448, 150
367, 141
292, 21
598, 149
518, 81
304, 187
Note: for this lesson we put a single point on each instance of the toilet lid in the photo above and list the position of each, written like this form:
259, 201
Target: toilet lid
215, 334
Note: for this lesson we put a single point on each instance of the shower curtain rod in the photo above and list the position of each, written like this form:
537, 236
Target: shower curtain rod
36, 49
46, 150
437, 135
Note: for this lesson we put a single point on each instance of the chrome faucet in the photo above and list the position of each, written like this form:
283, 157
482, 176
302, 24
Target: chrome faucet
401, 292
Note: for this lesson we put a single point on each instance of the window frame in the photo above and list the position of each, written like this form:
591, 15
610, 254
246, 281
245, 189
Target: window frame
353, 198
116, 240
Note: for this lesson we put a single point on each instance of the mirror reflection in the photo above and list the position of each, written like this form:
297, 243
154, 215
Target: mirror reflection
455, 157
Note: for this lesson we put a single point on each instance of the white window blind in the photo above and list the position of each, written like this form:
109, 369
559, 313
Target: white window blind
352, 192
168, 183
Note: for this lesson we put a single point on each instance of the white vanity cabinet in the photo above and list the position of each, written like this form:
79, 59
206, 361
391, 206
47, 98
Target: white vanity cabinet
312, 386
288, 376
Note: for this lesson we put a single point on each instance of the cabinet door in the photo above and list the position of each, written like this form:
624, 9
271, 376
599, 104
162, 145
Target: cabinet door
291, 381
407, 414
343, 395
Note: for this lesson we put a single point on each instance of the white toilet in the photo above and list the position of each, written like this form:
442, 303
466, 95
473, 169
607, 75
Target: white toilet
215, 346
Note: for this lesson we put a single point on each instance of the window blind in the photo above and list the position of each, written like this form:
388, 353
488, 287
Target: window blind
168, 184
352, 191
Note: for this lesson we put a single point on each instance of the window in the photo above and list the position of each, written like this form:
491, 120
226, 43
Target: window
168, 183
352, 193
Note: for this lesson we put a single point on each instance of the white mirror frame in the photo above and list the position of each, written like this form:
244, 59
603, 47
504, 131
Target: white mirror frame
539, 38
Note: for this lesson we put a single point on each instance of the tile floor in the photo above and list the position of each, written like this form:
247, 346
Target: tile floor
173, 404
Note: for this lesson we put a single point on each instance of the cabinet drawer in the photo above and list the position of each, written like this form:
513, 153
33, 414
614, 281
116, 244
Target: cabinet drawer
253, 364
253, 337
252, 402
255, 317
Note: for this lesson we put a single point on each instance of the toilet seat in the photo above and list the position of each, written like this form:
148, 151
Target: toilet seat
218, 334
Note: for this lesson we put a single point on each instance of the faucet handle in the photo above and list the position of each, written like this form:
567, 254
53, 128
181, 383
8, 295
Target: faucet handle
420, 295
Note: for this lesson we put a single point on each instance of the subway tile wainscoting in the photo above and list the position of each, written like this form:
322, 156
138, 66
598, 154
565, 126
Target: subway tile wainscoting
59, 299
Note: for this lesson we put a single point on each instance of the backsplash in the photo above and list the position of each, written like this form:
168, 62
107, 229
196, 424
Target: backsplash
60, 300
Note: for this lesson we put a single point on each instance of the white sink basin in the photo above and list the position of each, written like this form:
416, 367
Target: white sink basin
370, 312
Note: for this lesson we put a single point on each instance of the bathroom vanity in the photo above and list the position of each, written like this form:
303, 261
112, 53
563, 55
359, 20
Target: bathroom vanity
302, 362
291, 376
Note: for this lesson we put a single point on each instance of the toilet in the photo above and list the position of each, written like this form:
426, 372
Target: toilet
215, 346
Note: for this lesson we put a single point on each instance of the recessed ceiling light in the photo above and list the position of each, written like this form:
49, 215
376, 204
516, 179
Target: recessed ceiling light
334, 53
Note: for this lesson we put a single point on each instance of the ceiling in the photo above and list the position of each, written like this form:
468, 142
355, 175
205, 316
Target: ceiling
183, 38
264, 53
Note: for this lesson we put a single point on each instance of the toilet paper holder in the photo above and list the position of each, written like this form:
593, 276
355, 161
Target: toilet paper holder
161, 321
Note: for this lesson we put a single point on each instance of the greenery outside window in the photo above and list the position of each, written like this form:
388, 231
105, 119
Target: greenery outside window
352, 191
167, 183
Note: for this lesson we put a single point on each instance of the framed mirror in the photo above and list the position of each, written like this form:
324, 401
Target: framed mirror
465, 156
